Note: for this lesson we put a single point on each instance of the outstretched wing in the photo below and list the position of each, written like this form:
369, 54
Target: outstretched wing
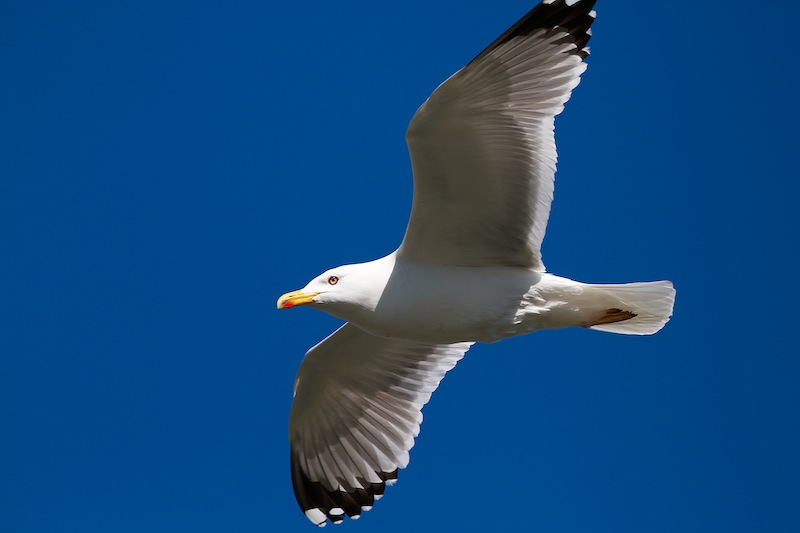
483, 149
356, 412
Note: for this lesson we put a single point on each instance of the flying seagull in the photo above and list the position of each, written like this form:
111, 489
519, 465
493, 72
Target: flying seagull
469, 268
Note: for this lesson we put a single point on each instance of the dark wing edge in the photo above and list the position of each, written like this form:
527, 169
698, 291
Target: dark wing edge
576, 18
319, 503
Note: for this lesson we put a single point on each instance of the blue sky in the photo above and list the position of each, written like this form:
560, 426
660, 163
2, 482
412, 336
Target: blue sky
168, 169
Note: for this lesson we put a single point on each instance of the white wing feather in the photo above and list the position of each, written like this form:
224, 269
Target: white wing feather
356, 412
483, 148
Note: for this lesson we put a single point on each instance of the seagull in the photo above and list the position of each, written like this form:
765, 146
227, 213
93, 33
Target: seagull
469, 268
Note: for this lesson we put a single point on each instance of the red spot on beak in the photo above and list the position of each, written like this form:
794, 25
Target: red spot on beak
288, 304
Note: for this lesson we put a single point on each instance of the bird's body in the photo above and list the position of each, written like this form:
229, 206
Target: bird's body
469, 268
441, 304
444, 304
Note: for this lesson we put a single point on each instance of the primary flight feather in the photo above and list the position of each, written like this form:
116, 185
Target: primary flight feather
469, 268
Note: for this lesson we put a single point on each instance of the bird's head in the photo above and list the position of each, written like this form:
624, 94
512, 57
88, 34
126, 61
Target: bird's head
342, 290
323, 289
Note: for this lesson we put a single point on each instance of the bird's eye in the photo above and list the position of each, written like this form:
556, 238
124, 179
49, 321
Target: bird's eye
333, 280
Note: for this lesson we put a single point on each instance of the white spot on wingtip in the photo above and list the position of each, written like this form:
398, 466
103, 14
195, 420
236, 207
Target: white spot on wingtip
336, 511
366, 508
378, 497
390, 482
316, 516
355, 517
571, 2
593, 14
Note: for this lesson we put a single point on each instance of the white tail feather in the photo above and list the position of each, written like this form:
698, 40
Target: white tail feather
651, 302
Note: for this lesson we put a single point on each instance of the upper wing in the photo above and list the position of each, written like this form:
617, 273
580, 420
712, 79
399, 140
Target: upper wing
356, 411
483, 149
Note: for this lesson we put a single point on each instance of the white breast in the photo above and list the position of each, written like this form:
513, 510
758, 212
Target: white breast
447, 304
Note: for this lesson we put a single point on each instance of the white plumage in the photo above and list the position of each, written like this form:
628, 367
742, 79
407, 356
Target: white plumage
469, 268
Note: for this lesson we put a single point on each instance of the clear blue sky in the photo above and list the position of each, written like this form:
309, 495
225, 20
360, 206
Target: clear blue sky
167, 169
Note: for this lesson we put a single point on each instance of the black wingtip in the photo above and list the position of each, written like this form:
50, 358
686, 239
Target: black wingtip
319, 503
576, 19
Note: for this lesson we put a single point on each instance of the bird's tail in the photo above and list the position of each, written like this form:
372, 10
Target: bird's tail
650, 304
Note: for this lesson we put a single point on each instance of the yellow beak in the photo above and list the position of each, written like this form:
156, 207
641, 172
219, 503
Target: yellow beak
290, 299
